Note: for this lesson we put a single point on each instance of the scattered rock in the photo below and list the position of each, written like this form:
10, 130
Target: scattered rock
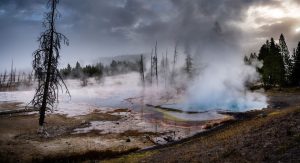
168, 139
207, 126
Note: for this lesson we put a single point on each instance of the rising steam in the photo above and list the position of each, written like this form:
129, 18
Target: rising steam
222, 86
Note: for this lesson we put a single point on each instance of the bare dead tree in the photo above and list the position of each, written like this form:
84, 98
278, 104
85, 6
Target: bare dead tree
1, 81
11, 74
163, 67
175, 57
23, 77
167, 69
142, 70
29, 78
188, 61
155, 62
19, 76
174, 64
84, 80
45, 62
4, 77
151, 68
15, 74
188, 64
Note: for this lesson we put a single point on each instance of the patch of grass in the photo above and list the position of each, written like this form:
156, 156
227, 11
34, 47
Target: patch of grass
276, 91
282, 148
136, 133
274, 113
227, 153
119, 111
99, 117
87, 156
10, 105
132, 158
297, 138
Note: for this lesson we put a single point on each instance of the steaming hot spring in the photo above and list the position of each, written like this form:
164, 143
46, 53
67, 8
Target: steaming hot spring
200, 102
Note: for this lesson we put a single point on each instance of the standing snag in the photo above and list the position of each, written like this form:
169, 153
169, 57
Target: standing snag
45, 62
155, 60
142, 70
188, 65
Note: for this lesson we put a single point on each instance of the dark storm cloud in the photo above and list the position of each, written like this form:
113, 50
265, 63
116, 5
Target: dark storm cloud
111, 27
206, 24
107, 17
274, 29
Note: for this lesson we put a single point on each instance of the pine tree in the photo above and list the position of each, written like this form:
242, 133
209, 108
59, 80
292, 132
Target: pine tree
251, 59
246, 60
273, 72
265, 70
278, 63
45, 64
69, 69
296, 67
284, 51
77, 72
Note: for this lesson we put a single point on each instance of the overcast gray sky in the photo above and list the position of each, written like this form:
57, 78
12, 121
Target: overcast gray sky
99, 28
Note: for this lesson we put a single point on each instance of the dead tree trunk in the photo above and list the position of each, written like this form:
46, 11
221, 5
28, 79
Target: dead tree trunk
19, 76
156, 60
142, 70
174, 64
188, 62
15, 74
163, 67
166, 70
4, 77
11, 75
0, 80
151, 68
29, 78
45, 65
48, 73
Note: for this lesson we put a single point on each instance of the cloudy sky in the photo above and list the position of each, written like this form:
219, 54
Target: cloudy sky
98, 28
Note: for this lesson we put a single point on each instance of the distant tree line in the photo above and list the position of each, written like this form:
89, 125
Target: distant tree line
99, 70
280, 68
11, 80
